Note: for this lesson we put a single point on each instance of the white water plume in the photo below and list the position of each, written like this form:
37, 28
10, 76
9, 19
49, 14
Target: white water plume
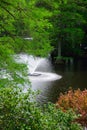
42, 73
31, 61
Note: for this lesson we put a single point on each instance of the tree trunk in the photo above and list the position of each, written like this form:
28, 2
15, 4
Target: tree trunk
59, 49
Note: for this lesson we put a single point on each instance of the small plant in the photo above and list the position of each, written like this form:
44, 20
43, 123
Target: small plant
77, 101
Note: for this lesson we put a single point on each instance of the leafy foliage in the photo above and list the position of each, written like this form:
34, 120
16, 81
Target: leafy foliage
19, 111
20, 19
77, 101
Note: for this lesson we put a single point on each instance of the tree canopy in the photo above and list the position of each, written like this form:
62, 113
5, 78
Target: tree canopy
69, 23
20, 20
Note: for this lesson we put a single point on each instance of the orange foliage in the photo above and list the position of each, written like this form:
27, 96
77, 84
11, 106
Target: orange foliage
77, 100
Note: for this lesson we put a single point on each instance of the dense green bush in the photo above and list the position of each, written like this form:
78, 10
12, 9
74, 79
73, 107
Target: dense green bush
19, 111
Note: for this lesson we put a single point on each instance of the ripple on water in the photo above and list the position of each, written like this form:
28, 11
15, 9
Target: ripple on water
44, 76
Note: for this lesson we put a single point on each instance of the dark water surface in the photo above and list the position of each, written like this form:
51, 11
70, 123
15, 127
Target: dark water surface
73, 75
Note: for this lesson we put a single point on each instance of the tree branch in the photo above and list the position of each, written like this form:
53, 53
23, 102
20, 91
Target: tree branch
7, 11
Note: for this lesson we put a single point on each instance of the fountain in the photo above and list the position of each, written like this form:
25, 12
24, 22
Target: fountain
36, 62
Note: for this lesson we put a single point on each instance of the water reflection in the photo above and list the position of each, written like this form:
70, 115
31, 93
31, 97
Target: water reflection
75, 75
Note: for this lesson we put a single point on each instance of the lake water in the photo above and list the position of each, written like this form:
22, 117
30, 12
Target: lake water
74, 76
51, 80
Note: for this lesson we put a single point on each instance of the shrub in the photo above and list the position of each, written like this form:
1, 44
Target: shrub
77, 101
18, 111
